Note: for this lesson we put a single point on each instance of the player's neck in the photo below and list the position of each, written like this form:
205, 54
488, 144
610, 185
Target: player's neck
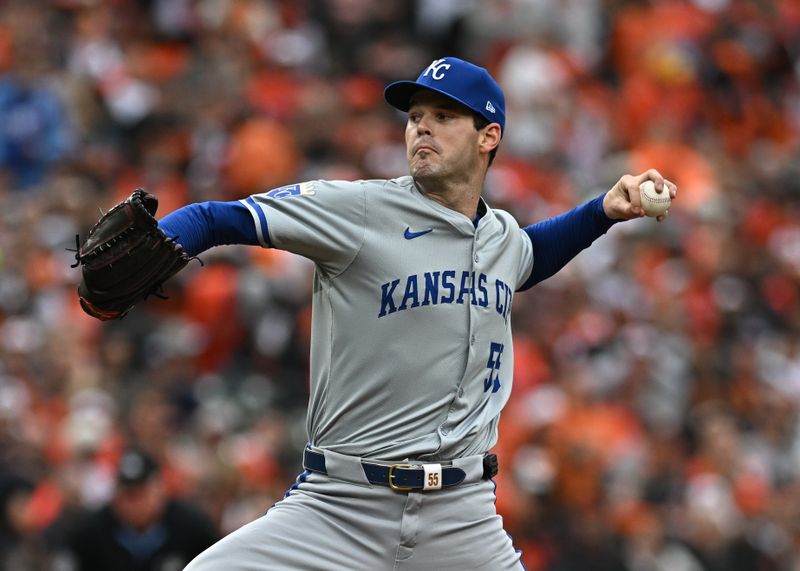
461, 197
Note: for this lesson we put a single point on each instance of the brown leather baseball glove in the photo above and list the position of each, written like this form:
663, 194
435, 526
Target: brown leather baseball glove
125, 258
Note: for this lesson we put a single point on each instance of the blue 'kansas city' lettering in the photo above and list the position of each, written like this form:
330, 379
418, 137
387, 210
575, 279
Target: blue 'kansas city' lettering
444, 287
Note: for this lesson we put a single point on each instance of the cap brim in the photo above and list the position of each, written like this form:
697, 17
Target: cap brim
399, 93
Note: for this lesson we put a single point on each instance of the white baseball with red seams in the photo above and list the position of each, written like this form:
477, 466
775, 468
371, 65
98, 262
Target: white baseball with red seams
654, 203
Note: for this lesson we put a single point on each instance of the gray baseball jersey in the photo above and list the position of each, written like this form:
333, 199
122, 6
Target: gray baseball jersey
411, 352
411, 357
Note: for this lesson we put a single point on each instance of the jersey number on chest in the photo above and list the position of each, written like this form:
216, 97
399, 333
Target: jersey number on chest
492, 380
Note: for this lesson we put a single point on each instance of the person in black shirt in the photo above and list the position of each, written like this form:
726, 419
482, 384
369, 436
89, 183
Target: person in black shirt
141, 528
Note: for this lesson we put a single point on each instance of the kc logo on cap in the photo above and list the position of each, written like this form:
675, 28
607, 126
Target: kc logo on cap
436, 67
460, 80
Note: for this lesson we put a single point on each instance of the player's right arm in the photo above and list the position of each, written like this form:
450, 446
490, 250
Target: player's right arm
320, 220
203, 225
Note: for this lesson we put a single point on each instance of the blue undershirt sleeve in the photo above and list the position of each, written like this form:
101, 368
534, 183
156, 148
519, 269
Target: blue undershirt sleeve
557, 240
203, 225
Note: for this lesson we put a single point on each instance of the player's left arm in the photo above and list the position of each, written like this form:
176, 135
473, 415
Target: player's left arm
203, 225
557, 240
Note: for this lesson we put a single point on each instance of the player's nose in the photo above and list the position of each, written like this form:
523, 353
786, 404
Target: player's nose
423, 126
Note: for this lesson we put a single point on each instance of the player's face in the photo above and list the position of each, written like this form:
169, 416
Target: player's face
441, 139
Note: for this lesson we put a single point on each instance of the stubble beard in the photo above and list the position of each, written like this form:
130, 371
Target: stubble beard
427, 172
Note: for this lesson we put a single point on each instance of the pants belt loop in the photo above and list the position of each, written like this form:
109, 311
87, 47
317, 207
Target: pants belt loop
343, 467
472, 465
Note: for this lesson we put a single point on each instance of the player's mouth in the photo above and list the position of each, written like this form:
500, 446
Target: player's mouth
425, 147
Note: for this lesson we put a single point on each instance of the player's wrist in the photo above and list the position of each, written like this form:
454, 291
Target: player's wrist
603, 208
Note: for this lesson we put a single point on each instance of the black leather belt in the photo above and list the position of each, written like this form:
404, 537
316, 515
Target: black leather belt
402, 477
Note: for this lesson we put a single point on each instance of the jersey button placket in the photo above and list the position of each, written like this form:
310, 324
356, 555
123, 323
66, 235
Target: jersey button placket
475, 272
475, 314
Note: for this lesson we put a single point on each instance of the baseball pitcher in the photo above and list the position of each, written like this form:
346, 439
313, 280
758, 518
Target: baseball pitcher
411, 351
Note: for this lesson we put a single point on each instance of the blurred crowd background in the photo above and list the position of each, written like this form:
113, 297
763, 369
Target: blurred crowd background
654, 420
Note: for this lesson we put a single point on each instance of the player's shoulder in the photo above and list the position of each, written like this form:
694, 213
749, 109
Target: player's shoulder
333, 191
358, 185
372, 187
507, 227
505, 219
504, 215
399, 183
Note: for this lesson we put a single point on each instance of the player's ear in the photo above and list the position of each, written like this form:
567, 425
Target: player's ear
489, 137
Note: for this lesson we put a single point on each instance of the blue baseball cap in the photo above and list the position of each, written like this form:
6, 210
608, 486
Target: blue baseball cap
460, 80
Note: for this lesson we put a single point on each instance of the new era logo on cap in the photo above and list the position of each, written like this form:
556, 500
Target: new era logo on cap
460, 80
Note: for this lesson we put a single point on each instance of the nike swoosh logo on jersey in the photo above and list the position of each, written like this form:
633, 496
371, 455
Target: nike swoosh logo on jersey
409, 235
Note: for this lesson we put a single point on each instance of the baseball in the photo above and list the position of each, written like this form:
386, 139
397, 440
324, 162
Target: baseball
654, 203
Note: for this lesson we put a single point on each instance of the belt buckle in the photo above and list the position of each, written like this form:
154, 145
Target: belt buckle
394, 486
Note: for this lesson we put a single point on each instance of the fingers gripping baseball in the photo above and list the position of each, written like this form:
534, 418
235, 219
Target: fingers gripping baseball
624, 201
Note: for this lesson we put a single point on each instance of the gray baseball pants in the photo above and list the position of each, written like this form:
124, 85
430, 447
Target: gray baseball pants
340, 521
